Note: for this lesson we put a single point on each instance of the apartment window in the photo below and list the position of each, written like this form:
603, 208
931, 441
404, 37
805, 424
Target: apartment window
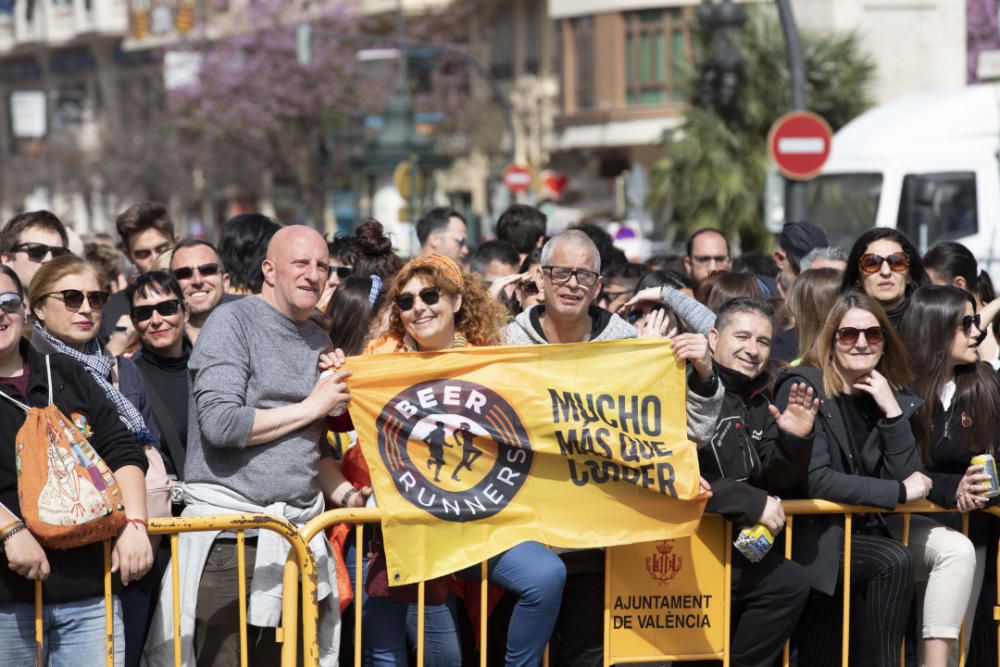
657, 48
583, 37
502, 51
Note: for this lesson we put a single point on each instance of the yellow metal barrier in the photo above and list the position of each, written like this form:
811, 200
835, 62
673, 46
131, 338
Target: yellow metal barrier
299, 555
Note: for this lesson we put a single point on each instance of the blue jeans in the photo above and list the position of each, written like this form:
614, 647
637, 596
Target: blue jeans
73, 633
536, 576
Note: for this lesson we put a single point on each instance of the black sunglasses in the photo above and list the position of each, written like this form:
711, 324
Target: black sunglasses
37, 251
10, 302
429, 296
969, 320
343, 272
187, 272
164, 308
850, 335
73, 298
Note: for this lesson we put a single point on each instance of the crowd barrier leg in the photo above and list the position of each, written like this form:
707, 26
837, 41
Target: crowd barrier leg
786, 653
845, 627
906, 543
241, 573
175, 578
484, 608
39, 634
109, 618
359, 540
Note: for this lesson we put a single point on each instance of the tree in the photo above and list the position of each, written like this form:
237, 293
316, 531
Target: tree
714, 167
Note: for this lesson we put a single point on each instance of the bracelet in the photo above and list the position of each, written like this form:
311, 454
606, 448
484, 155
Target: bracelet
140, 522
346, 498
11, 533
6, 527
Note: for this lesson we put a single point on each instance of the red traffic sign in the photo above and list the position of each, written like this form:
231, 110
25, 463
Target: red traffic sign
517, 179
799, 144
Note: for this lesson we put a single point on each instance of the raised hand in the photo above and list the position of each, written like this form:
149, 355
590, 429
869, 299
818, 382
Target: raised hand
646, 297
694, 348
654, 324
800, 414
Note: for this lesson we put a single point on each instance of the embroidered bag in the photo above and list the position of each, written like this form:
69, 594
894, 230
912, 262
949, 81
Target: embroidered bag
69, 497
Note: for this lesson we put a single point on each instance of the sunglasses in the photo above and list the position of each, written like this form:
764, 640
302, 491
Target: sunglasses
147, 253
73, 298
528, 287
37, 251
870, 263
10, 302
343, 272
849, 335
561, 275
405, 301
969, 320
187, 272
164, 308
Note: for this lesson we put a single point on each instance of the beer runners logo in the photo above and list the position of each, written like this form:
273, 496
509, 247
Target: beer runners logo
664, 564
454, 448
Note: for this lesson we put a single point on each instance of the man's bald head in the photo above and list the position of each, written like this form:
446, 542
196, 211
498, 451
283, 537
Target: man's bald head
295, 271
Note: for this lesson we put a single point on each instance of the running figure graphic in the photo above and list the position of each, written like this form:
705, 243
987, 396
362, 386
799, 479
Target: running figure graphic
470, 452
435, 446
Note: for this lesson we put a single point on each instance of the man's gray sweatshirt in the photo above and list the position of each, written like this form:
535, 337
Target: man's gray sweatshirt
250, 356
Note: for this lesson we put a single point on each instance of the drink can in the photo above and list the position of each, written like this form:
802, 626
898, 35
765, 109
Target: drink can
754, 543
991, 488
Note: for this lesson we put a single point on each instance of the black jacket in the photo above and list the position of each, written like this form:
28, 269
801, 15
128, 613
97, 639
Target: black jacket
76, 573
748, 457
835, 475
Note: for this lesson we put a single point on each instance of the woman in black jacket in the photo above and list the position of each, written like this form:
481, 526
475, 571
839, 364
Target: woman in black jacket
863, 445
957, 420
886, 266
73, 586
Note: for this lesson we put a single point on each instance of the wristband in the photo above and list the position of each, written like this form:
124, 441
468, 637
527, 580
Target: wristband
346, 498
6, 527
140, 522
11, 533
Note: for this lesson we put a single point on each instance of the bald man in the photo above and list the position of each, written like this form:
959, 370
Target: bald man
256, 443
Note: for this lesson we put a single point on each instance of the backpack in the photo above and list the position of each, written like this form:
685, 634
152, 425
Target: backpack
69, 497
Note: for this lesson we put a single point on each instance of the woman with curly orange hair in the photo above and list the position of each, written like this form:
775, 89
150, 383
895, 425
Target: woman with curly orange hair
434, 305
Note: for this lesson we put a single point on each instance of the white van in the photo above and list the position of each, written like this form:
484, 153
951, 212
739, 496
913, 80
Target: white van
925, 164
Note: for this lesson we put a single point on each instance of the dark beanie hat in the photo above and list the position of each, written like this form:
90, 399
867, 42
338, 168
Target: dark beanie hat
798, 238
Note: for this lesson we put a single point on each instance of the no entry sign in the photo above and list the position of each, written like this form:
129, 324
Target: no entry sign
799, 144
517, 179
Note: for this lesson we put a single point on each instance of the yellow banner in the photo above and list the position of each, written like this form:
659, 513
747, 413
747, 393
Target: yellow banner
474, 451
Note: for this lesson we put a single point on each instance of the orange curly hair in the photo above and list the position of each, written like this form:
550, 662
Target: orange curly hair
481, 318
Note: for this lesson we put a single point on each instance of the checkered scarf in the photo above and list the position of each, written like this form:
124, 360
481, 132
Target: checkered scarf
100, 364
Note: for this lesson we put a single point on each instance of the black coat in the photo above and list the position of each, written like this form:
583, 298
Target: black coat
748, 457
76, 573
835, 475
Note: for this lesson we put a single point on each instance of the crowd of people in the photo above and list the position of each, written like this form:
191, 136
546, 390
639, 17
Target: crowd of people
211, 379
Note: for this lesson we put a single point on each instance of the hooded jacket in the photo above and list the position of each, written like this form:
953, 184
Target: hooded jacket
835, 473
526, 329
748, 456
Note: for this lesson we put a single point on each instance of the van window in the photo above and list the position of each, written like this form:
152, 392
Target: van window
944, 204
844, 205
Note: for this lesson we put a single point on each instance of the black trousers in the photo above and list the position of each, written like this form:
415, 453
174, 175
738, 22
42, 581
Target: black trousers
881, 594
768, 598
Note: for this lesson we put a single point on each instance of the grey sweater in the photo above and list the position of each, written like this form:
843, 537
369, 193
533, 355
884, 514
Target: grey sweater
250, 356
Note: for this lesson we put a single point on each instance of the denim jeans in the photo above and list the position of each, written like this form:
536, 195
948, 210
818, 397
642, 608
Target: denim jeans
73, 633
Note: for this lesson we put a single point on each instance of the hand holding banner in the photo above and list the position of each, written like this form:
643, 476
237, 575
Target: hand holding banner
474, 451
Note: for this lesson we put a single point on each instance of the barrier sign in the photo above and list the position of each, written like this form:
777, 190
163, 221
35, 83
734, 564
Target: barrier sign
668, 597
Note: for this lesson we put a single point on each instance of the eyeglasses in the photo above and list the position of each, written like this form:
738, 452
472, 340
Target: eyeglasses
705, 259
969, 320
870, 263
849, 335
561, 275
73, 298
146, 253
164, 308
37, 251
10, 302
528, 287
429, 296
343, 272
187, 272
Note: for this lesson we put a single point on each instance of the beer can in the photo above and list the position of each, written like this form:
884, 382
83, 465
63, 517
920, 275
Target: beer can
991, 488
754, 543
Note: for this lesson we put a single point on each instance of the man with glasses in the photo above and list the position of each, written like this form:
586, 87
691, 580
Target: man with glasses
199, 271
32, 239
442, 231
146, 232
707, 253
